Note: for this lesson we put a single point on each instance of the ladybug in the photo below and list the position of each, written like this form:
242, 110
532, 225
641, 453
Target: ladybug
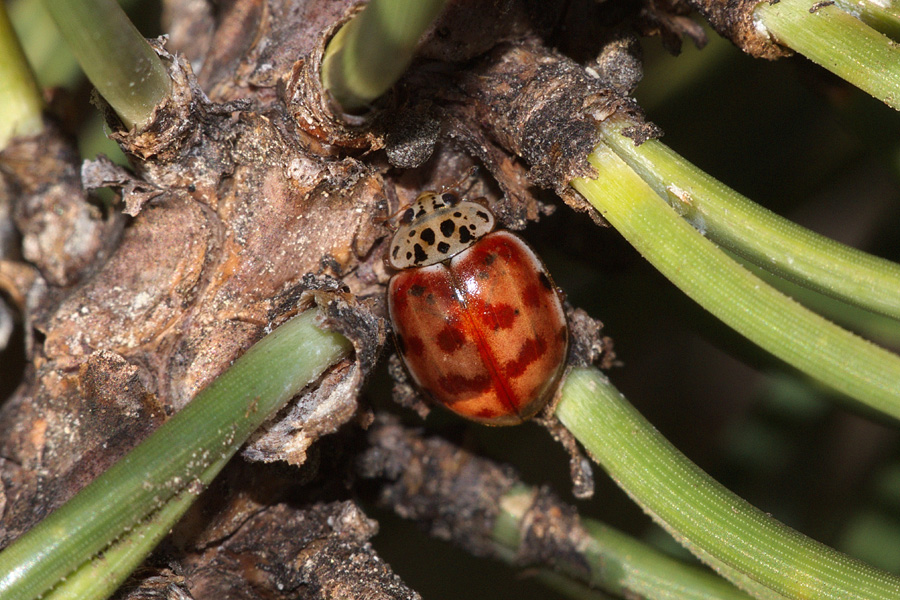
477, 320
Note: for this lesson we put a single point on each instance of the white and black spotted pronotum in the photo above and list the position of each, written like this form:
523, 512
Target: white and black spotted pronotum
437, 227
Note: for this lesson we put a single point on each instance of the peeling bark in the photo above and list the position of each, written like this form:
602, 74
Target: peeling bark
733, 19
63, 234
317, 552
457, 497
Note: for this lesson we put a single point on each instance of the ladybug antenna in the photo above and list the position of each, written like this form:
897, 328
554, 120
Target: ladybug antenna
457, 185
393, 217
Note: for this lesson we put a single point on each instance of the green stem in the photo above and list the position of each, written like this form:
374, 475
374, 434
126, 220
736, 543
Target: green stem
741, 542
881, 329
20, 99
114, 56
102, 575
618, 563
879, 15
837, 41
47, 53
778, 324
176, 456
762, 237
53, 63
372, 50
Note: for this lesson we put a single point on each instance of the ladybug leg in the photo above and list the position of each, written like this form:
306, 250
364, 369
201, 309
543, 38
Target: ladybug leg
579, 465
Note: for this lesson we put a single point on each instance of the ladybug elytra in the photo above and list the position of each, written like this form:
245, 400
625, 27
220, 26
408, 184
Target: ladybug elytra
476, 317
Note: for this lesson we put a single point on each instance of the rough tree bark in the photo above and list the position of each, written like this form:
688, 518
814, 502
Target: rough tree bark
246, 191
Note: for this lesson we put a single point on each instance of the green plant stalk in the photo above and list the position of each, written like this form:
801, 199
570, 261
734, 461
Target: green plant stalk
114, 56
741, 300
879, 328
103, 574
759, 235
837, 41
20, 99
882, 16
207, 431
618, 563
372, 50
47, 53
740, 541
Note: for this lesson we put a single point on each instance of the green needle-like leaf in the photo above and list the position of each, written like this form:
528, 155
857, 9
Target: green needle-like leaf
755, 551
102, 575
183, 454
704, 272
20, 99
53, 63
371, 51
618, 563
772, 242
114, 56
880, 15
838, 41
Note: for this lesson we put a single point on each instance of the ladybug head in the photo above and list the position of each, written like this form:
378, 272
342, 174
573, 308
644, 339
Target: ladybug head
449, 199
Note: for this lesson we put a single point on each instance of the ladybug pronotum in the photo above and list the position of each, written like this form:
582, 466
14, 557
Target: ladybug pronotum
476, 317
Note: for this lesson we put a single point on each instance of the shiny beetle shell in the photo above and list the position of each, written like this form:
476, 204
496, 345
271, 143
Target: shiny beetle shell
480, 328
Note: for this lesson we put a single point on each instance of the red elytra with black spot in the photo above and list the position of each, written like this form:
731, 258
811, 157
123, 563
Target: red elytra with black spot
477, 319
